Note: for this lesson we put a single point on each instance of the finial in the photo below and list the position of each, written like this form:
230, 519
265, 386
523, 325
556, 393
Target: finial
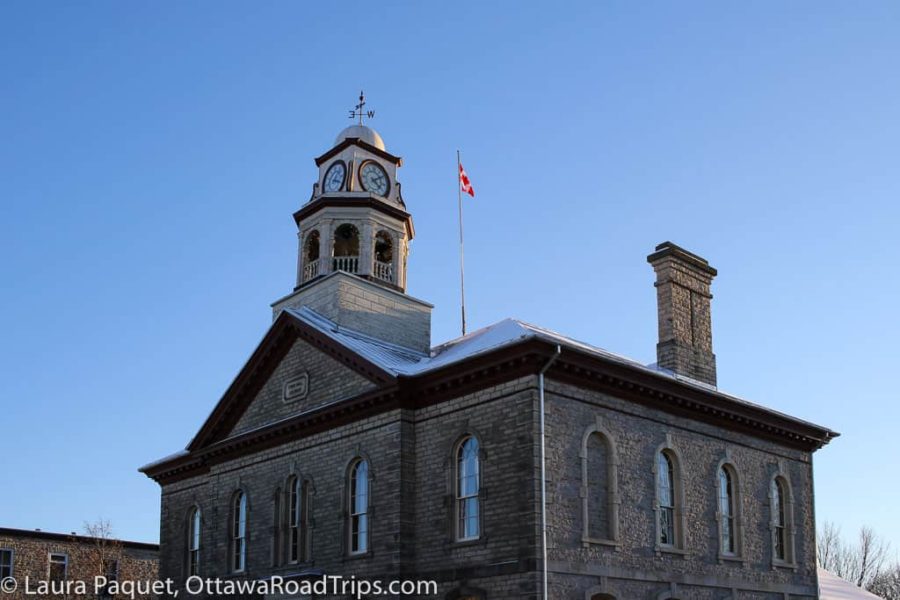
359, 112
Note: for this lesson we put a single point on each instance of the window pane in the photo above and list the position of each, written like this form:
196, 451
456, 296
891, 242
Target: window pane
363, 534
666, 489
361, 488
359, 507
6, 560
57, 567
597, 486
239, 532
195, 530
726, 510
471, 513
666, 526
727, 536
467, 488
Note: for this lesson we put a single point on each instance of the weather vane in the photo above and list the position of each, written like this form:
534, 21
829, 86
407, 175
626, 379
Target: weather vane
359, 113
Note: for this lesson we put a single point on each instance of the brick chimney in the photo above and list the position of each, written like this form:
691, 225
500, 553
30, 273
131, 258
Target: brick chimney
683, 304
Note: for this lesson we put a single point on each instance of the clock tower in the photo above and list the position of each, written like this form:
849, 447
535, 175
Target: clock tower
354, 235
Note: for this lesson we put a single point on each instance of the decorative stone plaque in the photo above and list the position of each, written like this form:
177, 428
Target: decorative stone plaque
296, 388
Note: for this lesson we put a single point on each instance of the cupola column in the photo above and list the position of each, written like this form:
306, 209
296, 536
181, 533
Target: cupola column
402, 254
326, 248
301, 258
367, 249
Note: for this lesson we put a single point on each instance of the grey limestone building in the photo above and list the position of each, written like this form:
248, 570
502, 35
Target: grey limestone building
513, 462
34, 557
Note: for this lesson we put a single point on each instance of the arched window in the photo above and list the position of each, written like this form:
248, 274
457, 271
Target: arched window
239, 532
359, 507
298, 519
346, 248
311, 263
666, 492
782, 521
598, 488
669, 525
468, 484
193, 545
384, 257
727, 511
312, 246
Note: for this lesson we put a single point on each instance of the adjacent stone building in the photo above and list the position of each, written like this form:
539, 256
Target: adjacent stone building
349, 445
36, 556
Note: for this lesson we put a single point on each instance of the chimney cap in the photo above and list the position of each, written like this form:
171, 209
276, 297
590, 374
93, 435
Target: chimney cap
668, 249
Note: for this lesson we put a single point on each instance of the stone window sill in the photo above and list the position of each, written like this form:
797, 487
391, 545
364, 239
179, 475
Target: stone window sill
787, 566
671, 550
732, 558
587, 541
479, 541
359, 555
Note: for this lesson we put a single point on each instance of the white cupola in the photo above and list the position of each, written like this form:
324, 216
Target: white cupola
355, 228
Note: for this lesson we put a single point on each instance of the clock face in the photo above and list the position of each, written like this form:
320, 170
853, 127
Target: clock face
374, 179
334, 177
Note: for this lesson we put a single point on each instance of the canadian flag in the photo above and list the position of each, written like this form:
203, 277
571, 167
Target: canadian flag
464, 183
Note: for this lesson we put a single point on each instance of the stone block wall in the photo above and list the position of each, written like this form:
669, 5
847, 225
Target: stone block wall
367, 307
31, 555
635, 568
411, 460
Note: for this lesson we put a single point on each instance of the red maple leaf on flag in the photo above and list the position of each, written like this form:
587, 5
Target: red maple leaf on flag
464, 183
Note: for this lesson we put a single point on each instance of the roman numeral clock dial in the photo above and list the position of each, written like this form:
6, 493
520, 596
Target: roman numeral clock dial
334, 177
374, 179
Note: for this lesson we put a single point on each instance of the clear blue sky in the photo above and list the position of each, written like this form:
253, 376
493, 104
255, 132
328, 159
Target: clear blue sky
151, 155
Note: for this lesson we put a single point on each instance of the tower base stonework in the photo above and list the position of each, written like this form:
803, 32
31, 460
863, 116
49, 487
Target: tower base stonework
367, 307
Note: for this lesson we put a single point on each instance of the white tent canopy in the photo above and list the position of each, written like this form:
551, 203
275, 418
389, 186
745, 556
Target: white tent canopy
832, 587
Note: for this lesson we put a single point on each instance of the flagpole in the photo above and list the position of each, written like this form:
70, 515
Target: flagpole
462, 268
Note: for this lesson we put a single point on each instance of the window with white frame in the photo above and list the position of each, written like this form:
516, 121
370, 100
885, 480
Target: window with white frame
667, 498
6, 563
359, 507
782, 521
239, 532
194, 524
468, 486
58, 567
727, 511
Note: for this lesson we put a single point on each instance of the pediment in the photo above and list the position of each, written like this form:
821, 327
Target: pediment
293, 370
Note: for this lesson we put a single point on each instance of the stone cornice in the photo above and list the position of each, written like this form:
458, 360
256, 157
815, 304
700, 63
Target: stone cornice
322, 202
621, 380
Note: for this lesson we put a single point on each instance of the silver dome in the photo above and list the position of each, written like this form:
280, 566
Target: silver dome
366, 134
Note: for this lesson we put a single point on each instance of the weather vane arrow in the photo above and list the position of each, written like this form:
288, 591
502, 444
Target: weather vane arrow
359, 113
